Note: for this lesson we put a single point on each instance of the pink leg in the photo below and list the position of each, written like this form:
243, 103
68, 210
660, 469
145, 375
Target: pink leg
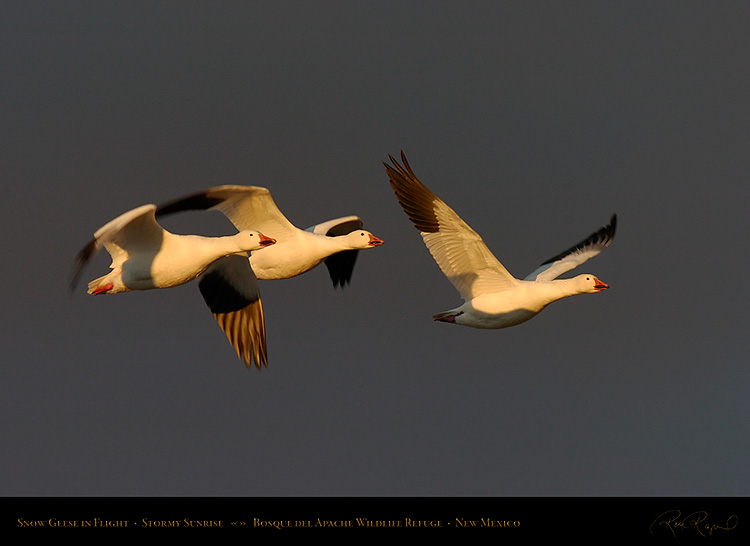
103, 289
447, 317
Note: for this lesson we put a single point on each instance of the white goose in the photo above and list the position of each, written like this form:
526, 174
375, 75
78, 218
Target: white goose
336, 242
494, 298
146, 256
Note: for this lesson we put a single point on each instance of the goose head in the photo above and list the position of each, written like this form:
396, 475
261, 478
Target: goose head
362, 239
590, 284
253, 240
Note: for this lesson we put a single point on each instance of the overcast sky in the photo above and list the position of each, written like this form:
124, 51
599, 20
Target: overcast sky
535, 121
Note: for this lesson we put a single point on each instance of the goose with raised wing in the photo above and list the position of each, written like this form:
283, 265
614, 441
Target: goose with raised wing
335, 242
145, 256
493, 297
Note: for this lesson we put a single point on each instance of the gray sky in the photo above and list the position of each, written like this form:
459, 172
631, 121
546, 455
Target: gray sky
534, 121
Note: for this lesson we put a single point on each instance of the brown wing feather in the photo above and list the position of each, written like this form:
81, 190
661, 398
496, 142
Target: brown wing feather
231, 291
245, 330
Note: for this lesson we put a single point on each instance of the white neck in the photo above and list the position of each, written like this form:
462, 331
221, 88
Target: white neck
548, 291
211, 248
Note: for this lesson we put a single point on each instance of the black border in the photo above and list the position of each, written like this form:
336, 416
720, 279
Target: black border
521, 518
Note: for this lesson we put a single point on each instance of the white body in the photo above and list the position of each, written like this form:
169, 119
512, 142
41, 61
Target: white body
296, 251
516, 305
145, 257
302, 251
179, 259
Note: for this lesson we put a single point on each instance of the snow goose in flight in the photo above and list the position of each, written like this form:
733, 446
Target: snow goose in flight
493, 297
335, 242
146, 256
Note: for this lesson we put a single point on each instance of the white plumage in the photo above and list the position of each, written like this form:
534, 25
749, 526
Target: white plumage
493, 297
145, 256
296, 251
335, 242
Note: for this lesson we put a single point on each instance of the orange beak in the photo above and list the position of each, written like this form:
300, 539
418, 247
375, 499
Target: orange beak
266, 241
374, 241
599, 285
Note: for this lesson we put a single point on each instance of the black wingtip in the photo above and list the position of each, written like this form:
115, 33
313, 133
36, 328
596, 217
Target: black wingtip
341, 267
611, 227
414, 197
197, 201
603, 236
79, 263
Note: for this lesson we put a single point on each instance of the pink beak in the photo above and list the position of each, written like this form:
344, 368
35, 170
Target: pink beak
374, 241
599, 285
266, 241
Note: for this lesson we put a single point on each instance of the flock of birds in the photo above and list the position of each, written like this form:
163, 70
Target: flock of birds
268, 246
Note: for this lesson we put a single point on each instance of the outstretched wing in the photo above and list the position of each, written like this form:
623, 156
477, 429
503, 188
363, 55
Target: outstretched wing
458, 250
231, 292
247, 207
132, 231
577, 254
